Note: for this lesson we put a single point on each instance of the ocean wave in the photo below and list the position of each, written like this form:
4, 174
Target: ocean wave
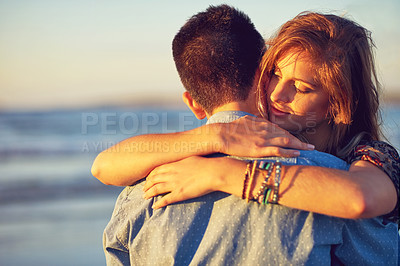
37, 190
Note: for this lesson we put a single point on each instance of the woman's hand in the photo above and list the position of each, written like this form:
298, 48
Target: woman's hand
255, 137
191, 178
180, 181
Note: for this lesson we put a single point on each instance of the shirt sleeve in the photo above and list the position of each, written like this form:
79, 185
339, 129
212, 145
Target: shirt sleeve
386, 158
130, 214
367, 242
115, 247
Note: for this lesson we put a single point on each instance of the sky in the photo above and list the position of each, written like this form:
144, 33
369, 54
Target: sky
85, 53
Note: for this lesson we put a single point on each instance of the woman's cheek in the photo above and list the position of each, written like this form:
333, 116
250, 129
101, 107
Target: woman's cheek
271, 85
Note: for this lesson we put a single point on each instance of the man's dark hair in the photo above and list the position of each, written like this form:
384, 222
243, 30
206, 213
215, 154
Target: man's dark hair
217, 53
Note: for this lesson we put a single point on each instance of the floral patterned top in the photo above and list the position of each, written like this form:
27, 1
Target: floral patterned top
386, 158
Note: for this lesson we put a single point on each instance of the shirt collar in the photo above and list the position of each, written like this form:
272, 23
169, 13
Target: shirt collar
226, 116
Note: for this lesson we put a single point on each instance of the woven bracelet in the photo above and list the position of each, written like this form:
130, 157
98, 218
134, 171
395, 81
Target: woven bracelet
252, 173
245, 180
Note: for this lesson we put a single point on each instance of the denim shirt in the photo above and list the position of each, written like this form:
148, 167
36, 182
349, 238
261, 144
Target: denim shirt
222, 229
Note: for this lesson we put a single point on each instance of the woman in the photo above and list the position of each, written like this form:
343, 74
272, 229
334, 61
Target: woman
322, 87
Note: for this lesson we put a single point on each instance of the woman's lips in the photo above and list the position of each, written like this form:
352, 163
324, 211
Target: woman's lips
277, 112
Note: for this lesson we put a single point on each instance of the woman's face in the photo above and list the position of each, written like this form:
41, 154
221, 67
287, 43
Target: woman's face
296, 102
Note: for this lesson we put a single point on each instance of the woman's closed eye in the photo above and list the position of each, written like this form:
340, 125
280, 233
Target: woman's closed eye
300, 88
302, 91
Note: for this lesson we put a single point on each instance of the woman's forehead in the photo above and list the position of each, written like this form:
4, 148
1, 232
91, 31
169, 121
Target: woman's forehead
299, 66
291, 57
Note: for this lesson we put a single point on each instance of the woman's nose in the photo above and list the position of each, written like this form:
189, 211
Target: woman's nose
280, 92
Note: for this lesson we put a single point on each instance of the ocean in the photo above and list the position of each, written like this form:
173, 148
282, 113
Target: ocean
52, 210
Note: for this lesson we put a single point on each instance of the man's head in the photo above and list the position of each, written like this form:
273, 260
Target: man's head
217, 53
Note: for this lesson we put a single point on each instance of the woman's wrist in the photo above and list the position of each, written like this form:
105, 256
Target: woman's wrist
210, 137
229, 175
220, 131
261, 182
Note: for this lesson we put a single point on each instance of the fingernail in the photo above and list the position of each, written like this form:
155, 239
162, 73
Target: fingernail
296, 153
146, 196
310, 146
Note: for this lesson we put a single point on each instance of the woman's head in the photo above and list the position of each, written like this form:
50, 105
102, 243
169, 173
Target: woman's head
335, 55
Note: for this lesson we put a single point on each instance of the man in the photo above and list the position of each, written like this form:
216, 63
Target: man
217, 53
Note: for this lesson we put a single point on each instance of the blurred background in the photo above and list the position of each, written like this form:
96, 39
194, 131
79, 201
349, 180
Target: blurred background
78, 76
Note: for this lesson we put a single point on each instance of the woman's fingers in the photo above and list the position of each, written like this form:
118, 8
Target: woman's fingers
151, 180
280, 146
178, 181
158, 175
288, 141
256, 137
279, 152
157, 189
167, 200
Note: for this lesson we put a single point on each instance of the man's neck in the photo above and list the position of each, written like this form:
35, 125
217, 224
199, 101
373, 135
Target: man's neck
236, 106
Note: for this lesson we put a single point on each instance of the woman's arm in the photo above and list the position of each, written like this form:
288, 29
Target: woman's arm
132, 159
362, 192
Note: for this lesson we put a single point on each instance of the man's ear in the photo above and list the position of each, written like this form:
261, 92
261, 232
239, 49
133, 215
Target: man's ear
197, 110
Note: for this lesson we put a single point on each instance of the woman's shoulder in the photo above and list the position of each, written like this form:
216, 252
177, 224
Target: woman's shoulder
381, 154
377, 151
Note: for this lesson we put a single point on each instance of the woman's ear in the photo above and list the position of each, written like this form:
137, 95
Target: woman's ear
197, 110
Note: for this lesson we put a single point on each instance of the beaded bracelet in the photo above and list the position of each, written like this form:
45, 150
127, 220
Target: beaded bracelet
269, 167
245, 180
277, 182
